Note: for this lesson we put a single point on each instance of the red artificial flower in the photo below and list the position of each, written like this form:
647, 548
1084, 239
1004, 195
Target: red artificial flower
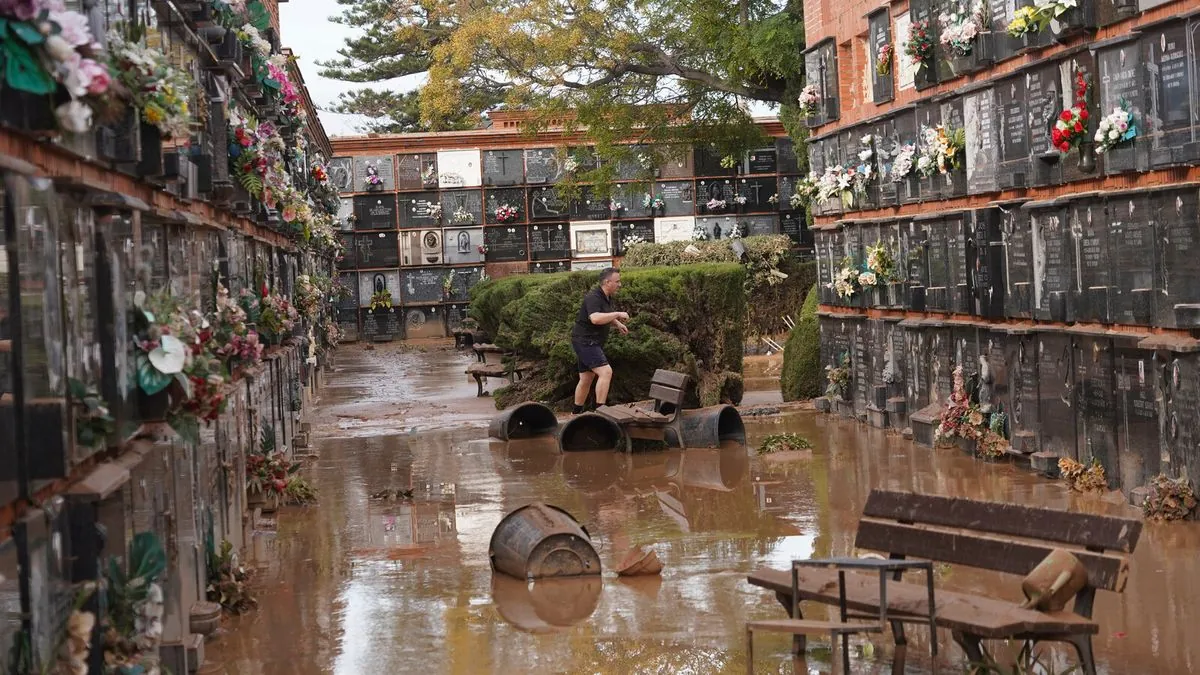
1078, 127
1066, 116
1083, 113
1056, 136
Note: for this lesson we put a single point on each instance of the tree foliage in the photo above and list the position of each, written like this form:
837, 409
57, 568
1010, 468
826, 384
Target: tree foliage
670, 72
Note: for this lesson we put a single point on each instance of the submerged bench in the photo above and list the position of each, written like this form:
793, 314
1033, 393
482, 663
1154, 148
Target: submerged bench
1007, 538
649, 420
480, 371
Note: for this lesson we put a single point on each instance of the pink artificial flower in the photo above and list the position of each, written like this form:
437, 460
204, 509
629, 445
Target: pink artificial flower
97, 76
75, 28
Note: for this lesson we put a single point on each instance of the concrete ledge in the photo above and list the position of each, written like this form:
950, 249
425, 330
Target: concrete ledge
1045, 463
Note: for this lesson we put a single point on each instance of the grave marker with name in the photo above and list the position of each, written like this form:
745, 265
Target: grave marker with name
1137, 426
621, 231
348, 260
937, 294
1182, 391
377, 249
462, 279
678, 162
550, 241
591, 238
341, 173
637, 164
986, 259
1053, 270
349, 281
1097, 404
456, 316
721, 189
347, 321
421, 286
542, 166
1043, 103
462, 245
983, 150
345, 214
459, 169
708, 162
417, 210
588, 206
1017, 236
545, 204
424, 322
503, 167
462, 207
757, 192
785, 152
678, 228
678, 196
375, 212
1094, 288
751, 226
417, 171
914, 242
1121, 86
514, 197
627, 200
792, 223
960, 292
1177, 287
370, 283
880, 35
366, 167
383, 325
1170, 113
784, 191
1014, 132
1131, 233
590, 265
717, 227
506, 243
550, 266
861, 365
1056, 394
763, 160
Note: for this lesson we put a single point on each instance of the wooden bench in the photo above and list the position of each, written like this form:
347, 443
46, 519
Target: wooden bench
648, 420
1008, 538
481, 371
484, 348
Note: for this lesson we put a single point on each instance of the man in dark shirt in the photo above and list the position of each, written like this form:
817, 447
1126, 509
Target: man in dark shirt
588, 336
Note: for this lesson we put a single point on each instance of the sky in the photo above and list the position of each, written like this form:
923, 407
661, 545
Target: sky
306, 29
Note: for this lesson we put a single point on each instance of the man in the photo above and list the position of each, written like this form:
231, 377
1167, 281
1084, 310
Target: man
595, 317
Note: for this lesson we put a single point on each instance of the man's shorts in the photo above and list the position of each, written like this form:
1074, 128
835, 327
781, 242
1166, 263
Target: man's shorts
589, 353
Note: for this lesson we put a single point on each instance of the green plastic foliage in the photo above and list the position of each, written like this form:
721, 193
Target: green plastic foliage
688, 318
802, 376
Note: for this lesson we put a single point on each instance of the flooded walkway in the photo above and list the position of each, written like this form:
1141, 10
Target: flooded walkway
360, 586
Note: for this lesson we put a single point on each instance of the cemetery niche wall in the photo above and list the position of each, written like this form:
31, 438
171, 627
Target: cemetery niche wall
982, 230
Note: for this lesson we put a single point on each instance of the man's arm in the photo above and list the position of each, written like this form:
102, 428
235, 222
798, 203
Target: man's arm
602, 318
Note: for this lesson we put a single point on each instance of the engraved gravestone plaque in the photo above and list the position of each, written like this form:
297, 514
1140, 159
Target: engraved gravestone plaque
503, 167
1121, 87
880, 36
420, 210
638, 163
982, 151
458, 169
550, 267
462, 245
784, 191
1043, 103
424, 322
1170, 114
1056, 394
751, 226
545, 204
958, 277
678, 196
1098, 406
792, 223
708, 162
542, 166
588, 206
715, 195
678, 162
347, 321
1017, 238
1132, 236
1138, 424
550, 241
461, 281
1052, 264
1093, 263
1178, 282
506, 243
643, 230
422, 285
785, 151
375, 212
345, 214
377, 249
341, 173
937, 294
371, 283
512, 197
755, 194
1014, 133
462, 207
416, 171
348, 261
762, 160
373, 173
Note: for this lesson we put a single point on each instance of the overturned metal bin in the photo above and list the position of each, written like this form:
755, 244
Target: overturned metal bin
540, 540
590, 431
527, 420
707, 427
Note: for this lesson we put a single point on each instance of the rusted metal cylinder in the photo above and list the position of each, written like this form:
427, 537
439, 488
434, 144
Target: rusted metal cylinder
1054, 582
590, 431
707, 427
540, 540
527, 420
547, 605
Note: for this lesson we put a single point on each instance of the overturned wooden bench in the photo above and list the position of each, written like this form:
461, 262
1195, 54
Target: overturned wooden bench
1002, 537
481, 371
648, 420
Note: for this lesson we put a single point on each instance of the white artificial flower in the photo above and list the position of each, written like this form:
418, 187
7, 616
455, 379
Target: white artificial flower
74, 116
170, 356
59, 49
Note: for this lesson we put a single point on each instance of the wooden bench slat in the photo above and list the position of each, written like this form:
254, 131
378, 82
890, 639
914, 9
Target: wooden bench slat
806, 627
486, 369
665, 394
1078, 529
982, 551
670, 378
986, 617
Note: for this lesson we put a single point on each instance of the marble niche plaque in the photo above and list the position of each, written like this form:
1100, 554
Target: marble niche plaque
757, 194
958, 229
365, 168
503, 167
590, 265
914, 241
623, 230
462, 207
1053, 270
348, 260
550, 241
717, 227
461, 281
1043, 103
422, 285
1137, 425
1014, 168
542, 165
880, 35
983, 147
1056, 394
514, 197
1093, 288
785, 151
461, 245
1177, 285
376, 250
345, 220
424, 322
795, 226
347, 321
1070, 162
1098, 409
986, 261
550, 266
506, 243
751, 226
708, 162
416, 171
763, 160
341, 173
679, 228
370, 283
545, 204
937, 294
591, 239
588, 206
417, 209
375, 212
1121, 86
1131, 235
678, 196
459, 169
1017, 238
1170, 120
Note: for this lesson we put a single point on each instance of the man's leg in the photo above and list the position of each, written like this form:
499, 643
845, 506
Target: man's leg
583, 388
603, 379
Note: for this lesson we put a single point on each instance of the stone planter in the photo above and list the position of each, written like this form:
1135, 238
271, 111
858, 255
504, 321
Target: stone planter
843, 407
204, 618
981, 56
1074, 21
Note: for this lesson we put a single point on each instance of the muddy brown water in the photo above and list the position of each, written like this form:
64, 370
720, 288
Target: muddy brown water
360, 586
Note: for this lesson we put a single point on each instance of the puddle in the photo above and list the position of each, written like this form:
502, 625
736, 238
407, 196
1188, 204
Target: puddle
359, 585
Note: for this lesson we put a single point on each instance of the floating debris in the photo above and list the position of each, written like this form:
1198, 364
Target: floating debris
1169, 498
640, 563
1081, 478
783, 443
393, 495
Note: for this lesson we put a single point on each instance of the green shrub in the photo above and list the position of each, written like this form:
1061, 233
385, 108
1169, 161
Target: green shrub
802, 377
770, 295
688, 318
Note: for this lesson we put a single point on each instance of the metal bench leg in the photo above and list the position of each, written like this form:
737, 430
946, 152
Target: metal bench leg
479, 382
901, 647
799, 642
1083, 646
972, 645
749, 651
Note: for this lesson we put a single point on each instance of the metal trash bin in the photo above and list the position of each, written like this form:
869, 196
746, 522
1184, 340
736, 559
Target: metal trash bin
540, 540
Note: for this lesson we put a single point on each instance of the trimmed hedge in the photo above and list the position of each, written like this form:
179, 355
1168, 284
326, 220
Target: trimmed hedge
687, 318
802, 377
769, 296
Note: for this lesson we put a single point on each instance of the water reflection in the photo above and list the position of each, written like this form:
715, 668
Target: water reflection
391, 587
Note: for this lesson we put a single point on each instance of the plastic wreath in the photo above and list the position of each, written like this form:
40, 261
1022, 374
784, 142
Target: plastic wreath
919, 47
1071, 127
960, 28
1115, 128
810, 98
